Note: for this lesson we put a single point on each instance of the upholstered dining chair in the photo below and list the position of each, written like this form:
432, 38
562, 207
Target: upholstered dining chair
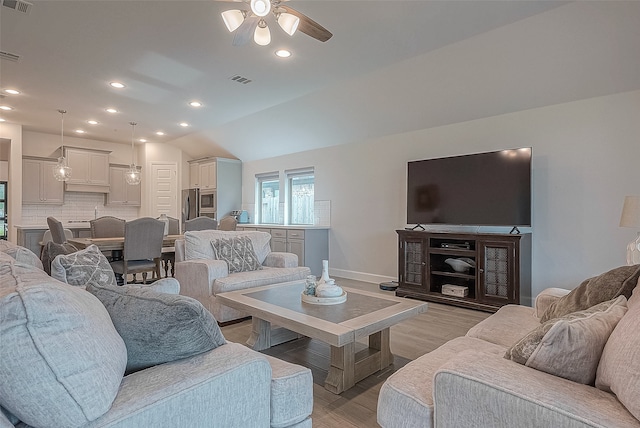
108, 227
142, 248
57, 231
200, 223
228, 223
169, 254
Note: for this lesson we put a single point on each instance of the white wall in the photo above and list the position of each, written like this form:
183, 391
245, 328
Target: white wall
585, 156
13, 133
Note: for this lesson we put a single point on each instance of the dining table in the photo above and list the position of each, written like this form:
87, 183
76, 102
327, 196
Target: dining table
116, 243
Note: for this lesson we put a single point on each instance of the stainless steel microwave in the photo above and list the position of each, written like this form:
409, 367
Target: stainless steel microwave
207, 201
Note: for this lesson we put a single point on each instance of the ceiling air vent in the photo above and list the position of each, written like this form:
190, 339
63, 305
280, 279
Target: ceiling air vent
9, 56
240, 79
19, 5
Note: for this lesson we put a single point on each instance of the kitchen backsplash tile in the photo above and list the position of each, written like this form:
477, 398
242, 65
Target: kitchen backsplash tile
77, 206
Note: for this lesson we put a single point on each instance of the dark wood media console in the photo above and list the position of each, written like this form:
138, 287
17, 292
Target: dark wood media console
501, 276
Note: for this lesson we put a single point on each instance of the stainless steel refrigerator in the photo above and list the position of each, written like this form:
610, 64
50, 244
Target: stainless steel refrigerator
189, 205
3, 210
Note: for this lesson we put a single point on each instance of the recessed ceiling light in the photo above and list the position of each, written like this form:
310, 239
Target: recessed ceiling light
159, 133
117, 85
184, 124
283, 53
142, 140
79, 131
1, 119
12, 91
92, 122
111, 110
6, 108
195, 104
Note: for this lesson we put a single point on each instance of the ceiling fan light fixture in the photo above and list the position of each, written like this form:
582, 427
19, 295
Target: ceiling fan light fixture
261, 8
262, 35
232, 19
288, 22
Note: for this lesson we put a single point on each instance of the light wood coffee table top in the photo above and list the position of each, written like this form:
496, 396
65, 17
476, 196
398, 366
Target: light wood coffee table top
364, 314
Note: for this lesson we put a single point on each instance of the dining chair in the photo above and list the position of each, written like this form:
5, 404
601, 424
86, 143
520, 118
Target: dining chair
108, 227
200, 223
142, 248
169, 253
228, 223
57, 231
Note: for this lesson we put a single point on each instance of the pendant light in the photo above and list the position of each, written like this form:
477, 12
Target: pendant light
132, 176
62, 171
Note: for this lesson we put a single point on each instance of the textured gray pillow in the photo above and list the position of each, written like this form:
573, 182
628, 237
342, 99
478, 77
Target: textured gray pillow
158, 327
88, 266
61, 359
570, 346
237, 252
617, 282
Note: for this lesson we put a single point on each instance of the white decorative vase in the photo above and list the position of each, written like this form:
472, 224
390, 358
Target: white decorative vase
327, 287
163, 218
325, 272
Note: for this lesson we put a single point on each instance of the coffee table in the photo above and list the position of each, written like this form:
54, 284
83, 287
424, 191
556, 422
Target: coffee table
364, 314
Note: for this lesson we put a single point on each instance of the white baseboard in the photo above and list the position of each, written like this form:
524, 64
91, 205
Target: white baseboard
361, 276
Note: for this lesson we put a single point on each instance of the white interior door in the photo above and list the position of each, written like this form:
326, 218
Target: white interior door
164, 189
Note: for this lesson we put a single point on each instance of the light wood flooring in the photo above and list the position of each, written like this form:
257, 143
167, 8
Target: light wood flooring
410, 339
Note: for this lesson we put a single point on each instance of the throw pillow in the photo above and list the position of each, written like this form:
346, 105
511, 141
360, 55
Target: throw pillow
158, 327
198, 243
570, 346
616, 282
51, 250
619, 368
238, 253
88, 266
61, 359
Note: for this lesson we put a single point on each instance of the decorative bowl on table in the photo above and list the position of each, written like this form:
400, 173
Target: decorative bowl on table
460, 265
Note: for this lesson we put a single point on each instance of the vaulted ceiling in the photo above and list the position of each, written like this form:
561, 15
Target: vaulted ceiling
391, 67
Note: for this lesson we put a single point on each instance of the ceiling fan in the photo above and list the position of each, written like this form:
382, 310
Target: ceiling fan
252, 23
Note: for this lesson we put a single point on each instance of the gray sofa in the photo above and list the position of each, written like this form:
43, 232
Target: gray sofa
202, 275
62, 362
469, 382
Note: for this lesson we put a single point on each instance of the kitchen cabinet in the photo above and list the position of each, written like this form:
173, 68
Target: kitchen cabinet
208, 175
38, 184
203, 175
194, 176
311, 245
500, 271
89, 170
122, 193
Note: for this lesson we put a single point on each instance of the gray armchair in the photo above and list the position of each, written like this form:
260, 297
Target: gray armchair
142, 248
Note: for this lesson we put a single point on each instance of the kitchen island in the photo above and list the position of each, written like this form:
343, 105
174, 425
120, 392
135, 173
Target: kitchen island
30, 236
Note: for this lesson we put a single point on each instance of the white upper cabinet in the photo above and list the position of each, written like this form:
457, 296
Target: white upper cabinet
121, 192
89, 170
38, 184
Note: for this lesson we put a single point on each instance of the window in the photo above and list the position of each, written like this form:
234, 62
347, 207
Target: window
268, 197
300, 191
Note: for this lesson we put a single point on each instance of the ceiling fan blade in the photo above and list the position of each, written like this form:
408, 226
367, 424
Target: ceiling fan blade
308, 26
245, 31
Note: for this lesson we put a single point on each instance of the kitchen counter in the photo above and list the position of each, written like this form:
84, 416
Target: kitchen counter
284, 226
80, 224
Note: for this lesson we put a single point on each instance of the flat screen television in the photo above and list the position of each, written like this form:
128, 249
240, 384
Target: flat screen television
483, 189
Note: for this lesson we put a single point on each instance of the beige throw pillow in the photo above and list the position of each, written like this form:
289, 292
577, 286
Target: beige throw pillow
619, 368
617, 282
570, 346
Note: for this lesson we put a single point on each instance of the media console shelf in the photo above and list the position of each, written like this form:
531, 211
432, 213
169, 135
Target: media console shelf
501, 275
